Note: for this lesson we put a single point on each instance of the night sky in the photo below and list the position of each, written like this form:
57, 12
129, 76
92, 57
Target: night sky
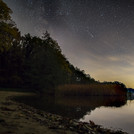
95, 35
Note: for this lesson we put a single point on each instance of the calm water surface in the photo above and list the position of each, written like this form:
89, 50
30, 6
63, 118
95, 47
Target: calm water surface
110, 112
113, 117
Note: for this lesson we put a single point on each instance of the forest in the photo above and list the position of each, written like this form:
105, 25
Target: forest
33, 62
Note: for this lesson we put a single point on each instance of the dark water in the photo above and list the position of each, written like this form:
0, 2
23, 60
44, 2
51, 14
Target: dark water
111, 112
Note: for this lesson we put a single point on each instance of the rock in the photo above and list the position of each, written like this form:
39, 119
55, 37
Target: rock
2, 121
6, 109
7, 103
52, 127
92, 123
61, 127
9, 132
71, 128
75, 124
41, 114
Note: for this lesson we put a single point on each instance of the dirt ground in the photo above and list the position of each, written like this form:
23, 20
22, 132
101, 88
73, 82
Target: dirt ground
13, 120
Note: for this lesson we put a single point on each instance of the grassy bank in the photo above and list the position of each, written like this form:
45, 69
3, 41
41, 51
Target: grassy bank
91, 90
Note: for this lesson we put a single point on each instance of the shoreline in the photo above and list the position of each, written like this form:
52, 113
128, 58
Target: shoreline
19, 118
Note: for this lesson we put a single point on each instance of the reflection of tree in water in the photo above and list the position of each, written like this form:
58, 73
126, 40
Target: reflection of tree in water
73, 107
79, 106
130, 96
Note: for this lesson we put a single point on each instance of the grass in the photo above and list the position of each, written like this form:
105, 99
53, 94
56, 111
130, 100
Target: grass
91, 90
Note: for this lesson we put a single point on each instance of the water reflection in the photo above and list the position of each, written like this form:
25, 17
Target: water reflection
116, 112
112, 117
130, 96
72, 107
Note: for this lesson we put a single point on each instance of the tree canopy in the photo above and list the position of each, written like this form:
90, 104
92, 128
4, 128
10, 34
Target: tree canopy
9, 47
5, 11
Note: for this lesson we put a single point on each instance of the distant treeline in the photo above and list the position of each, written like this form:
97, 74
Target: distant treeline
94, 89
33, 62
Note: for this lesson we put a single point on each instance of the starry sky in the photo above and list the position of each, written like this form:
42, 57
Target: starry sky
95, 35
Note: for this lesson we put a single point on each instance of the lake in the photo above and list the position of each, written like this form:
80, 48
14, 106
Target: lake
120, 118
111, 112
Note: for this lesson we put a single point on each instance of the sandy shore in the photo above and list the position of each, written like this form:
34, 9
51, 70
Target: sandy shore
18, 118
